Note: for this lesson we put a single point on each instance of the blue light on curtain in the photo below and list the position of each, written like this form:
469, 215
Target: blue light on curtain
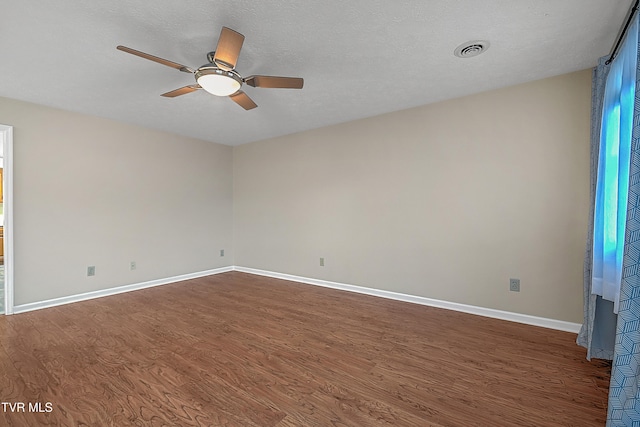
612, 188
598, 330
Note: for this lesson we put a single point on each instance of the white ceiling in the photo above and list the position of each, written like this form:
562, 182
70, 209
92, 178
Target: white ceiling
359, 58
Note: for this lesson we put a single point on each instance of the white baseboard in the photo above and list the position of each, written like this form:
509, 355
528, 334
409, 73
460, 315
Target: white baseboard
481, 311
113, 291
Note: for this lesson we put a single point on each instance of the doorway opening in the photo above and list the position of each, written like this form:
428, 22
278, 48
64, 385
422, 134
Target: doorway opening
6, 220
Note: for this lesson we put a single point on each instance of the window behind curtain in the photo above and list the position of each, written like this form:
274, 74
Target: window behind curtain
613, 172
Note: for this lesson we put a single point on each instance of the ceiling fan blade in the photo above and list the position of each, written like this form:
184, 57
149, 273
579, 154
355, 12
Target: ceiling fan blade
162, 61
181, 91
275, 82
228, 49
243, 100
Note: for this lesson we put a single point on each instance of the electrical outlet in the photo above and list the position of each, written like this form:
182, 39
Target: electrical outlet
91, 270
132, 265
514, 285
221, 252
321, 262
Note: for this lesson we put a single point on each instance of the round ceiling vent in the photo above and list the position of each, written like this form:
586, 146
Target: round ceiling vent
471, 49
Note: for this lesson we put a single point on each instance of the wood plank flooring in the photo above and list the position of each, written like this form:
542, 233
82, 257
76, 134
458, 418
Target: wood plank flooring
241, 350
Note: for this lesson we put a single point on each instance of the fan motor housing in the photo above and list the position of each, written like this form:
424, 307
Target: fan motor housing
214, 69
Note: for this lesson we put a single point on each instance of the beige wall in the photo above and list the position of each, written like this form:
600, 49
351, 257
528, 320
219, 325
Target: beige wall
445, 201
90, 191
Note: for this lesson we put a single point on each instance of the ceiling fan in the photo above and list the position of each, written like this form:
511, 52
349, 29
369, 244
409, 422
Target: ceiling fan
219, 76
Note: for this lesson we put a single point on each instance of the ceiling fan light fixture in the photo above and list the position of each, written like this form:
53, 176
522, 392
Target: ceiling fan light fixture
218, 76
218, 82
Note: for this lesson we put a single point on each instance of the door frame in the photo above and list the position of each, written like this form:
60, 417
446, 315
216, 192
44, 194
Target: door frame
6, 139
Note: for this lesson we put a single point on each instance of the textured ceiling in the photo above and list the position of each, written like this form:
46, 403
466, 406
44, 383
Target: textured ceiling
359, 58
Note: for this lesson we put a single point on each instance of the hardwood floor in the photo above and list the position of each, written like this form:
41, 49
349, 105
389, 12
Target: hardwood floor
241, 350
